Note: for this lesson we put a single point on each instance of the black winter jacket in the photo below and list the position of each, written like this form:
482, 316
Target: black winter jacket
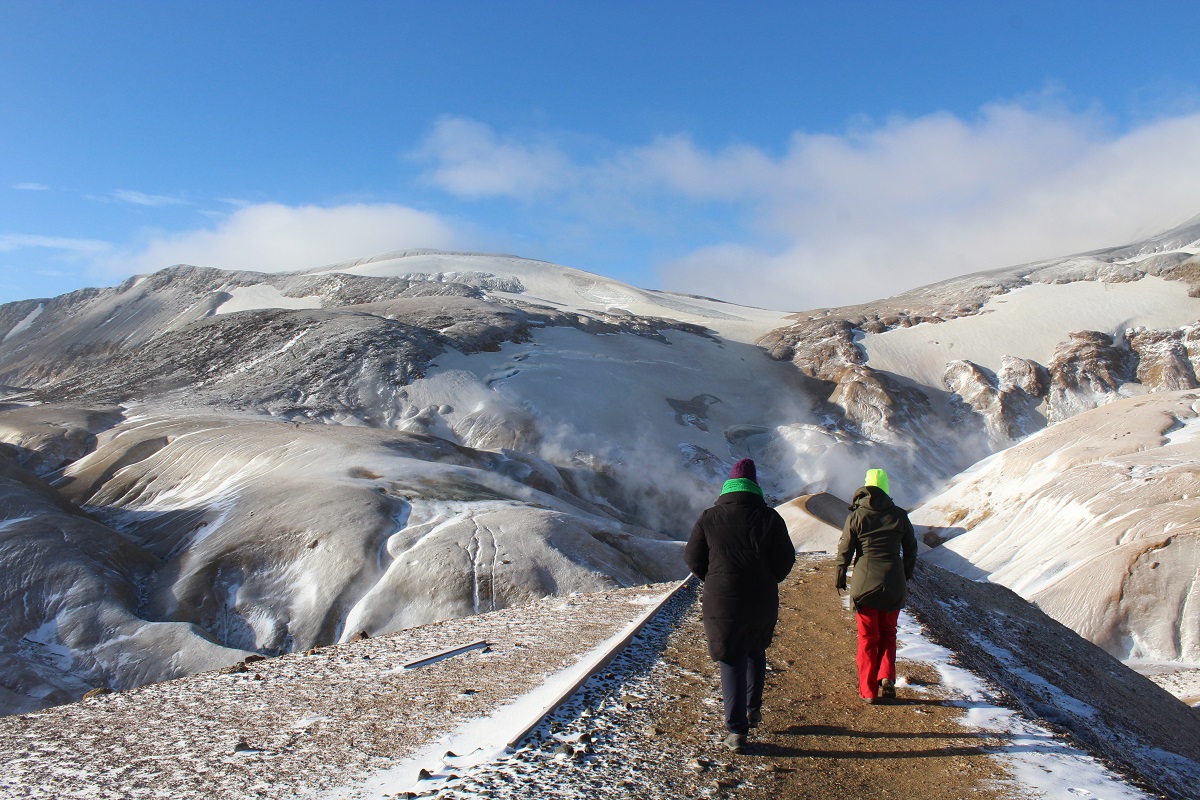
879, 540
740, 548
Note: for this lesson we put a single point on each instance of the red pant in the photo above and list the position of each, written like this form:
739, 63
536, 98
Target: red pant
876, 649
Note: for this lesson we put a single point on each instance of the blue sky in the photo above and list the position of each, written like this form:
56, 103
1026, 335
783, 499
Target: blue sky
789, 155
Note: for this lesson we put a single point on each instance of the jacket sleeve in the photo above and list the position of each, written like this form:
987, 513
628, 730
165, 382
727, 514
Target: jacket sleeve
783, 552
696, 551
909, 543
848, 546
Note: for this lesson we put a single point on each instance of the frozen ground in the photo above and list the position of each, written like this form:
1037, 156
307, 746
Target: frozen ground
314, 723
1041, 762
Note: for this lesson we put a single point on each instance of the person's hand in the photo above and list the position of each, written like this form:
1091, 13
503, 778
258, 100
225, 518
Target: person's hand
841, 578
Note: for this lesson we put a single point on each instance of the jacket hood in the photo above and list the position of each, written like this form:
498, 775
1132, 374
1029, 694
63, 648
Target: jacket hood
871, 498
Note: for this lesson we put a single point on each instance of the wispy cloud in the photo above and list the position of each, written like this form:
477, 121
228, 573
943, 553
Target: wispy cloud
143, 199
31, 187
10, 242
272, 237
470, 160
864, 214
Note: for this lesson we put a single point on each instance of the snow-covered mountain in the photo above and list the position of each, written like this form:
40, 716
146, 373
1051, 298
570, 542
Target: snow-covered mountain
199, 463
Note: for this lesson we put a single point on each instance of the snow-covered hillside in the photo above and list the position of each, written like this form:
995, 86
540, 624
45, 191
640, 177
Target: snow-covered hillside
1010, 350
1096, 519
246, 461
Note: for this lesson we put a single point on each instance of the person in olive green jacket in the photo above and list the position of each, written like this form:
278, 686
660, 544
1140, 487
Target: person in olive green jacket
878, 540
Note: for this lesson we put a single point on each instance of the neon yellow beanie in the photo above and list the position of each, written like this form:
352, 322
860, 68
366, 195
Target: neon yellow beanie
877, 477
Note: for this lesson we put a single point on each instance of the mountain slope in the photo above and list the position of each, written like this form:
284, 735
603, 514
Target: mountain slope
1096, 520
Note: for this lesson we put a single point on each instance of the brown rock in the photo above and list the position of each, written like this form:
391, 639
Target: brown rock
1163, 363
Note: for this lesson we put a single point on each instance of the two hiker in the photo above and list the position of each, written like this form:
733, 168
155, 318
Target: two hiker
741, 550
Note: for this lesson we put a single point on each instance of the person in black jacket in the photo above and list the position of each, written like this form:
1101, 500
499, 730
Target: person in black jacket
741, 550
879, 541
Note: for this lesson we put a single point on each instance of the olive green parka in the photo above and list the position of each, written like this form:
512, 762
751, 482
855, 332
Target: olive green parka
878, 540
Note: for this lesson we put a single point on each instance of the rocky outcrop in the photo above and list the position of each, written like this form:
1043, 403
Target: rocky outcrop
1023, 374
820, 348
879, 406
1163, 361
1086, 372
974, 399
1004, 404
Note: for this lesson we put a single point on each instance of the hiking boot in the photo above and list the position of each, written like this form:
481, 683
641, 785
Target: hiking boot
887, 690
736, 742
870, 701
754, 715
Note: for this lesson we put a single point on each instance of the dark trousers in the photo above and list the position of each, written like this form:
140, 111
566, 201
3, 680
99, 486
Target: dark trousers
742, 682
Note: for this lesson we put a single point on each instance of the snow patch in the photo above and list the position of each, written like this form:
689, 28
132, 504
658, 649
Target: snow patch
24, 324
49, 646
1037, 759
1187, 430
252, 298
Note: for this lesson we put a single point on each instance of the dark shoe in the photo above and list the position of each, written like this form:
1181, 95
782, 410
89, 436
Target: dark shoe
870, 701
755, 717
736, 742
887, 690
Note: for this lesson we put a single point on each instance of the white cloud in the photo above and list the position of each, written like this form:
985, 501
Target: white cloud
875, 212
85, 247
31, 187
272, 237
473, 162
143, 199
856, 216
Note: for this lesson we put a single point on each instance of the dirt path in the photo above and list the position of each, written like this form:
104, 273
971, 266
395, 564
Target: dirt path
818, 739
825, 742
